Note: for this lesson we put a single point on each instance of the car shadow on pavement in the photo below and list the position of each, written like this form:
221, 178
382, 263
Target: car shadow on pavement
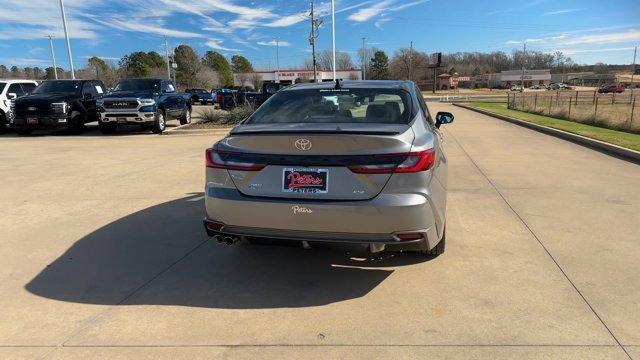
162, 256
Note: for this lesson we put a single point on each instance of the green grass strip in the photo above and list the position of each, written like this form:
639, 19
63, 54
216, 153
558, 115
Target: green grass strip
620, 138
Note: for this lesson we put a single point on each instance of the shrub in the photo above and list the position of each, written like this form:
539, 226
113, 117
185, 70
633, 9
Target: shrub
231, 117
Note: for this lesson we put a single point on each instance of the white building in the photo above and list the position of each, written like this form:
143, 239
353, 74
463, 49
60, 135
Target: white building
294, 76
531, 77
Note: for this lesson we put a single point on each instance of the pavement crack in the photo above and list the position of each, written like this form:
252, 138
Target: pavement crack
535, 236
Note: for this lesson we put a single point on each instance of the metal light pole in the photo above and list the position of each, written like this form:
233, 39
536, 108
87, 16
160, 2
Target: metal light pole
524, 57
633, 71
277, 40
166, 53
410, 59
66, 35
53, 57
333, 35
364, 60
315, 24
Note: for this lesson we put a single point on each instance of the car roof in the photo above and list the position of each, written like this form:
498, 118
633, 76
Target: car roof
367, 84
17, 80
156, 79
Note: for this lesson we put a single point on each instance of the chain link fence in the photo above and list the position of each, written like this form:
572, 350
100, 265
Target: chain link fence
614, 111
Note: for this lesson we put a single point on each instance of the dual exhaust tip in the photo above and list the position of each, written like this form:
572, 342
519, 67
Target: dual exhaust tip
229, 240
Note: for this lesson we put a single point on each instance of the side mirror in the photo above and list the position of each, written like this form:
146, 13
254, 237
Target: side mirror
87, 96
443, 117
12, 96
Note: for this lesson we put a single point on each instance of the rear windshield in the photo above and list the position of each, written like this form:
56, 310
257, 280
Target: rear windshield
384, 106
61, 87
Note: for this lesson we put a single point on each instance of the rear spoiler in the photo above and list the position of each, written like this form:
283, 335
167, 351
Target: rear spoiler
321, 129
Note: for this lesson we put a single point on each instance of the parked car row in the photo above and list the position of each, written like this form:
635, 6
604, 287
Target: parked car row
70, 104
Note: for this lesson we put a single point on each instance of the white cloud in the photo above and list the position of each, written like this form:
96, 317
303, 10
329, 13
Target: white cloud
380, 7
138, 26
20, 61
273, 43
217, 44
376, 9
559, 12
582, 51
627, 36
378, 23
288, 20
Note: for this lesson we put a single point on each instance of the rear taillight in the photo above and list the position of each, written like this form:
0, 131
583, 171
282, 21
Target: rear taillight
414, 162
225, 160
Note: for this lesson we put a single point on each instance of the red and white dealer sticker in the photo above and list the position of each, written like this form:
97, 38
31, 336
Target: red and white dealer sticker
313, 181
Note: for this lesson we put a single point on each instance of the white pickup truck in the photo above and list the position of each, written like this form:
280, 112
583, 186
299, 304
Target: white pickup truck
10, 90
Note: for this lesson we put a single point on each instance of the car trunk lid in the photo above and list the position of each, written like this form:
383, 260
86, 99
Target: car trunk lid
312, 162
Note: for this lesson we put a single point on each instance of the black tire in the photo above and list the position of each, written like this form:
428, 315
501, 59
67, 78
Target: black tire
23, 132
3, 122
76, 125
159, 122
438, 249
186, 116
107, 128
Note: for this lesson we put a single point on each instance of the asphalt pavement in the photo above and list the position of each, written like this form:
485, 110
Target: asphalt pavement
104, 256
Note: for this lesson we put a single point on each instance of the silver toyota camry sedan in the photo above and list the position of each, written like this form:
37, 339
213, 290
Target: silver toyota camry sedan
358, 162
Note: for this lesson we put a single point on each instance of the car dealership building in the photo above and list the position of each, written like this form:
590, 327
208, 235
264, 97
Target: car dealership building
294, 76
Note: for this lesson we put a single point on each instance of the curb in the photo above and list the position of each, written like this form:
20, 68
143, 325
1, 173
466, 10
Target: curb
178, 130
615, 150
197, 132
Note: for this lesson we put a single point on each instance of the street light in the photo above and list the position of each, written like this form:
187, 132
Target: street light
333, 35
66, 35
277, 40
53, 57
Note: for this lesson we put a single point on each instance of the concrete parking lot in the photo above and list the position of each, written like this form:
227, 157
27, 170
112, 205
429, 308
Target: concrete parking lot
104, 256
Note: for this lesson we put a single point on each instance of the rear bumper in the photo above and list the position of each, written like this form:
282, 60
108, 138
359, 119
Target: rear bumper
375, 221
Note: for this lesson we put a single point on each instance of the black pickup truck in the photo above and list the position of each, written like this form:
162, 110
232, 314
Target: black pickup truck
57, 104
149, 103
230, 99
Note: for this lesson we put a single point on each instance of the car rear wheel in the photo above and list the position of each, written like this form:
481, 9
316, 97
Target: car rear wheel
438, 249
77, 123
160, 122
106, 128
186, 117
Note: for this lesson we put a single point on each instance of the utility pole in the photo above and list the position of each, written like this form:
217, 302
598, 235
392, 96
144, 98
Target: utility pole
633, 71
53, 57
364, 60
66, 35
166, 54
277, 40
333, 36
524, 57
315, 25
410, 59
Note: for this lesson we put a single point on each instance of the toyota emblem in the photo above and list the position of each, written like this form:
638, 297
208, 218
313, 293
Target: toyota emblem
303, 144
31, 108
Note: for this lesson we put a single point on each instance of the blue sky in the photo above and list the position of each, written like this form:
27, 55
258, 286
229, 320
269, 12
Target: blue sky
587, 31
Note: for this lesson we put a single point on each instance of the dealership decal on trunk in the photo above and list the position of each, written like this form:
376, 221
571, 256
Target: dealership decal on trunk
297, 209
305, 180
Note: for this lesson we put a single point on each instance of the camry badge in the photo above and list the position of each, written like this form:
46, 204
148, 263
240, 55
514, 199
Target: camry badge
31, 108
303, 144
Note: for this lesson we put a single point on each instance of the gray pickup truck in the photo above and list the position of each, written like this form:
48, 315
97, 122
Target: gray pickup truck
149, 103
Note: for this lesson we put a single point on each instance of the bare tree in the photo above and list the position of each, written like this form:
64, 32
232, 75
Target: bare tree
324, 60
206, 78
256, 81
